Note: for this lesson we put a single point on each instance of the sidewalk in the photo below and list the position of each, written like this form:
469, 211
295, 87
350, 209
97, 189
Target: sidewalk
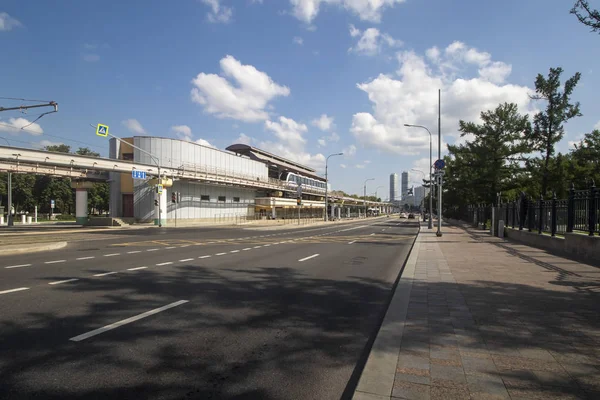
479, 317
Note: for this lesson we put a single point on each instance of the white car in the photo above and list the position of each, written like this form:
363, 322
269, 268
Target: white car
403, 215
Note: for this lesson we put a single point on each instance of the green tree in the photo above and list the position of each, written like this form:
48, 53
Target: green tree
548, 124
85, 151
58, 148
586, 157
586, 15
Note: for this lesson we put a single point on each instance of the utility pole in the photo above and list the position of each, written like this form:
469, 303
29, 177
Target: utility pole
439, 227
9, 220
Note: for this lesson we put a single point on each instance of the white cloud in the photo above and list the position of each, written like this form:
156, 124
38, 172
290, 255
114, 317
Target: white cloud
90, 57
184, 132
366, 10
412, 97
14, 125
244, 139
7, 22
290, 142
597, 126
244, 100
343, 166
360, 166
134, 126
324, 122
349, 151
43, 143
422, 164
298, 40
218, 12
371, 41
322, 142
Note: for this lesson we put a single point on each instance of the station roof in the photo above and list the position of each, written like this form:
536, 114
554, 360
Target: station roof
270, 159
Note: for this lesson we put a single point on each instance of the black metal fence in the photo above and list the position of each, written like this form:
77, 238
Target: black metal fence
580, 212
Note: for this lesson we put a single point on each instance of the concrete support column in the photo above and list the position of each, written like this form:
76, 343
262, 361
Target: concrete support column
339, 212
163, 208
81, 206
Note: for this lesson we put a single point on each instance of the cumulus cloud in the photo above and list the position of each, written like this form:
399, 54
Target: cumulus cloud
14, 125
597, 126
470, 82
218, 13
184, 132
367, 10
7, 22
349, 151
134, 126
298, 40
90, 57
324, 122
323, 140
290, 142
244, 139
245, 99
45, 143
371, 41
343, 166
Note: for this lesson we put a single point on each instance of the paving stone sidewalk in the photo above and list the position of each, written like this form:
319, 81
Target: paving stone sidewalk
490, 319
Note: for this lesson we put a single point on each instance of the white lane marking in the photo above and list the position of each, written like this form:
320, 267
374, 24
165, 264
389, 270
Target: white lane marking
151, 249
266, 245
256, 247
352, 242
54, 262
65, 281
18, 266
136, 268
372, 234
356, 227
134, 252
112, 255
85, 258
247, 248
165, 263
205, 257
309, 257
186, 260
185, 245
106, 273
125, 321
234, 251
169, 248
14, 290
220, 254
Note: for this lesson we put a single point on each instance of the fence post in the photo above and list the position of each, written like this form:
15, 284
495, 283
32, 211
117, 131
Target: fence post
592, 209
553, 215
514, 213
530, 212
522, 211
506, 219
541, 211
571, 209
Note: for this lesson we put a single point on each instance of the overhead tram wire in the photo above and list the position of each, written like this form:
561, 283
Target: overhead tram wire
54, 136
14, 98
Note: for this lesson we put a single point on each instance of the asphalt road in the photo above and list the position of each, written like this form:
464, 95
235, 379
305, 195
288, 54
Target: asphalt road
198, 313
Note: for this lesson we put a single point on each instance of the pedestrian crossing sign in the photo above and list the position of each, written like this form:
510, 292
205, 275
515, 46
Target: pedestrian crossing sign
102, 130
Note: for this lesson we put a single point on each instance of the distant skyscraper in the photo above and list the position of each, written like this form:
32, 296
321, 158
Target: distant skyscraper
420, 193
404, 184
394, 187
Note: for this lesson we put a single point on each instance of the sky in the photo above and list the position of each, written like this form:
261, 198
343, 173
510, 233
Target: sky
299, 78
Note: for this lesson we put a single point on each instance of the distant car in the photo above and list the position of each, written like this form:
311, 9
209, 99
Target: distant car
403, 215
411, 216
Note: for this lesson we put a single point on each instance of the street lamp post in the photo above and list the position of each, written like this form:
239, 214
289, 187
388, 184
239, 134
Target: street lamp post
326, 183
429, 223
378, 187
365, 194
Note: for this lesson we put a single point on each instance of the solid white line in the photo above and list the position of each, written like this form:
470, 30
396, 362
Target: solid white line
220, 254
165, 263
85, 258
352, 242
134, 252
18, 266
112, 255
54, 262
125, 321
14, 290
65, 281
106, 273
205, 257
169, 248
136, 268
186, 260
151, 249
234, 251
247, 248
309, 257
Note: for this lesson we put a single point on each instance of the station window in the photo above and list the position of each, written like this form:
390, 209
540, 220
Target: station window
221, 198
128, 156
204, 197
236, 199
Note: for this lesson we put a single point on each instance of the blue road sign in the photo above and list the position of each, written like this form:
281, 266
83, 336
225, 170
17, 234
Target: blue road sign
439, 164
138, 174
51, 203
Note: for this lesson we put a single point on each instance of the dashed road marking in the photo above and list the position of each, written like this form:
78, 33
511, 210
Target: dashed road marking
234, 251
65, 281
256, 247
55, 262
85, 258
112, 255
151, 249
164, 263
354, 241
186, 260
125, 321
136, 268
309, 257
106, 273
204, 256
247, 248
170, 248
134, 252
14, 290
220, 254
18, 266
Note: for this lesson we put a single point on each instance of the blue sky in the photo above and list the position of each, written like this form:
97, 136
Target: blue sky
302, 78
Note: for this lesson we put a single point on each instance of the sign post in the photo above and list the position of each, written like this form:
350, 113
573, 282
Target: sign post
51, 208
299, 200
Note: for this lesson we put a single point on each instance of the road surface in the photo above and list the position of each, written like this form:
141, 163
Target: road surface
198, 313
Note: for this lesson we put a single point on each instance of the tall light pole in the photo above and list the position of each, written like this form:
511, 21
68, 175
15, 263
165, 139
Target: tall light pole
440, 177
429, 223
378, 187
327, 182
365, 194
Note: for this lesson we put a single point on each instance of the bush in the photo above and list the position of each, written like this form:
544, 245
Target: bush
65, 217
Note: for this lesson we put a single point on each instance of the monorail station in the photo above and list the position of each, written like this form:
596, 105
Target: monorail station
208, 184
